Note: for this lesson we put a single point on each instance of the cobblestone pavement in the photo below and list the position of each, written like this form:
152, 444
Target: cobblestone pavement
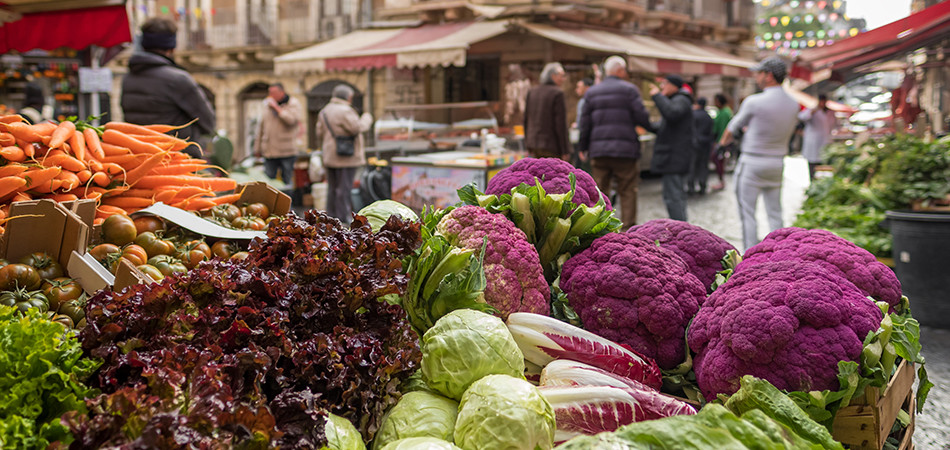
718, 212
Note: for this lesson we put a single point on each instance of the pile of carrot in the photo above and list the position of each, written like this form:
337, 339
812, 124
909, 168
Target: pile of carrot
124, 167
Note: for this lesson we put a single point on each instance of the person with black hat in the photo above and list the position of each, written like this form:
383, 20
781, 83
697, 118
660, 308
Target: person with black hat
158, 91
673, 147
769, 119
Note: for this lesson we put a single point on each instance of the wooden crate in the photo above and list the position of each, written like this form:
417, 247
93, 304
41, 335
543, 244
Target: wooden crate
867, 421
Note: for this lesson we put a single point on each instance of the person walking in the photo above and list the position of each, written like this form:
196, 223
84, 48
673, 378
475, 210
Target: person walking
580, 89
158, 91
718, 155
338, 122
819, 122
276, 139
545, 116
673, 147
703, 144
613, 109
769, 118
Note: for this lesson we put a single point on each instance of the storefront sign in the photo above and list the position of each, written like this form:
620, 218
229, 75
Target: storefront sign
95, 80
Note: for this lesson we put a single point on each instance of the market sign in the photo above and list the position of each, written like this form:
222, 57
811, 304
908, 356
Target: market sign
95, 80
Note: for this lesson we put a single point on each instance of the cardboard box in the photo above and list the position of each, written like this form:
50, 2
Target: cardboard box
50, 227
260, 192
867, 421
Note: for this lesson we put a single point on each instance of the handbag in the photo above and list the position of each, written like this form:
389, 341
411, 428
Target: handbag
345, 145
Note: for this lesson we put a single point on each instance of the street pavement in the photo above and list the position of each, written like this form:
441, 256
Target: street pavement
718, 213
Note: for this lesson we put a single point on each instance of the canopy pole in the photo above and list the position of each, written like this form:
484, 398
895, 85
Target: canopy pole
95, 52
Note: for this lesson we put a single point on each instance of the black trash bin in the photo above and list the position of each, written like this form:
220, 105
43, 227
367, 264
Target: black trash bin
922, 263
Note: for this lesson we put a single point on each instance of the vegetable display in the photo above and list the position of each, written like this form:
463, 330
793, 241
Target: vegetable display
255, 348
555, 177
628, 290
700, 249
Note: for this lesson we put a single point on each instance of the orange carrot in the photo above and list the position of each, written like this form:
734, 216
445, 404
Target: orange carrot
110, 210
61, 134
77, 143
180, 169
7, 139
46, 187
37, 177
101, 179
92, 143
195, 204
109, 149
64, 197
112, 168
65, 161
13, 153
212, 183
141, 193
227, 198
10, 185
164, 141
118, 190
129, 128
168, 128
133, 144
98, 220
128, 202
45, 128
21, 197
12, 170
125, 160
134, 175
69, 180
95, 165
22, 131
11, 118
84, 175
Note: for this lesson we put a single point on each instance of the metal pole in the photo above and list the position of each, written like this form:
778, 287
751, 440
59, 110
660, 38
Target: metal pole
95, 54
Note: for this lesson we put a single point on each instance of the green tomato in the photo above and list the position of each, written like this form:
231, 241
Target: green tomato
167, 265
23, 300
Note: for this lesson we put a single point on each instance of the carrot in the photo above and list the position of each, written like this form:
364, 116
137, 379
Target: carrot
112, 168
140, 193
133, 144
12, 170
61, 134
212, 183
180, 169
13, 153
109, 149
128, 202
45, 128
28, 149
77, 143
7, 139
115, 191
231, 198
84, 175
64, 197
10, 185
134, 175
165, 195
95, 165
195, 204
168, 128
93, 144
164, 141
37, 177
125, 160
98, 220
110, 210
130, 128
22, 131
101, 179
47, 187
65, 161
11, 118
21, 197
69, 180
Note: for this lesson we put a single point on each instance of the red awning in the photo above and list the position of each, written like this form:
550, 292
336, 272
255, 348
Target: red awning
76, 28
894, 39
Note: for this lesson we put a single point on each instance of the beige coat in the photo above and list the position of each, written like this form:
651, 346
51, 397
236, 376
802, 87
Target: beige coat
345, 122
277, 133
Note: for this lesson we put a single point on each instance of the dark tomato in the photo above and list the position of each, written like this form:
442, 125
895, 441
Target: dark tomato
73, 309
191, 258
242, 223
223, 249
167, 265
257, 224
46, 266
61, 290
118, 229
227, 212
13, 276
24, 300
148, 223
200, 245
105, 252
63, 319
154, 245
257, 209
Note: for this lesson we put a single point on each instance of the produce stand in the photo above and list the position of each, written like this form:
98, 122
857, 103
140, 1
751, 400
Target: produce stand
432, 178
412, 129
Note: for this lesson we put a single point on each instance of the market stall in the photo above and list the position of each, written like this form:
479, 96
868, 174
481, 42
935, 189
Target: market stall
432, 178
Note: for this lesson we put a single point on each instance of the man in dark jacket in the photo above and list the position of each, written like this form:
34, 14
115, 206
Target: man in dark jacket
158, 91
703, 139
612, 111
545, 118
673, 147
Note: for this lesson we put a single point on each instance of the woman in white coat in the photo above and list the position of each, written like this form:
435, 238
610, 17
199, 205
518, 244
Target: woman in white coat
819, 122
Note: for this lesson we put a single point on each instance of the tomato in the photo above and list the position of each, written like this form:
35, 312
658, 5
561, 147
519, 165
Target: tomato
61, 290
63, 319
191, 258
226, 212
46, 266
118, 229
257, 224
135, 254
23, 300
240, 255
104, 252
242, 223
73, 309
13, 276
152, 272
167, 265
148, 223
199, 245
223, 249
257, 209
154, 245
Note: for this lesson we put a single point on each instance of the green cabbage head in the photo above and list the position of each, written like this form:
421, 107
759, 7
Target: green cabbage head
418, 414
465, 345
378, 212
503, 412
420, 443
342, 435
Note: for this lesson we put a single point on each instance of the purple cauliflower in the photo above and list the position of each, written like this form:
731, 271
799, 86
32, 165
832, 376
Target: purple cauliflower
515, 280
627, 289
835, 254
553, 173
701, 250
787, 322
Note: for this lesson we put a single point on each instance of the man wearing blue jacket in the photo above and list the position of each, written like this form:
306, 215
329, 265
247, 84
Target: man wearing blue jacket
674, 142
612, 111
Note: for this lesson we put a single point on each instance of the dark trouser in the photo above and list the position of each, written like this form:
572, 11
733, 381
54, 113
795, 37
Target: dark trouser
674, 196
286, 166
699, 170
811, 170
627, 173
339, 193
543, 153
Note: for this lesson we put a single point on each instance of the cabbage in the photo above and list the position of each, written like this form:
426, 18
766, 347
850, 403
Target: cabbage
420, 443
464, 346
342, 435
500, 411
418, 414
378, 212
